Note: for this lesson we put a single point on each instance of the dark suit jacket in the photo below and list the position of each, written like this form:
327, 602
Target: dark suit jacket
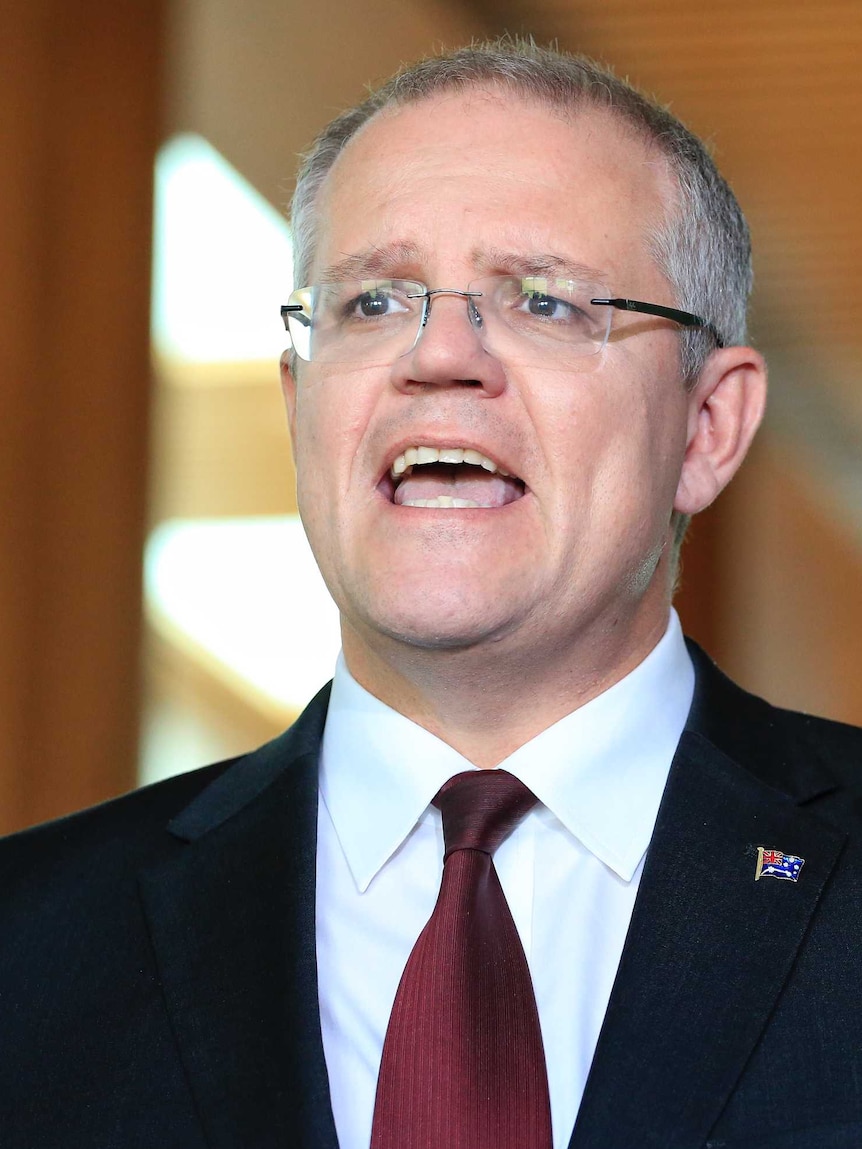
157, 956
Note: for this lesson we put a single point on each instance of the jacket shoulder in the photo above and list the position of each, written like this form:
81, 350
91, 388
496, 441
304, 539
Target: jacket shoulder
127, 825
789, 749
140, 827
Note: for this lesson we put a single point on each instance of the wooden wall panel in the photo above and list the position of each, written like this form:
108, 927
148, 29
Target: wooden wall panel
80, 90
792, 587
23, 105
260, 78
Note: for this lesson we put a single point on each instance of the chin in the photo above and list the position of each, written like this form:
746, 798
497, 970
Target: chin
455, 628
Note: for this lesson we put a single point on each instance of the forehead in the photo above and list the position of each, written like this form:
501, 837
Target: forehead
486, 170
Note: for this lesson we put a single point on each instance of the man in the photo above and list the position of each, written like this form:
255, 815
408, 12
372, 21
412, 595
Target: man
520, 368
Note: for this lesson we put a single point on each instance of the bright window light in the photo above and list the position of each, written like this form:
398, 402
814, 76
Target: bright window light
222, 260
241, 598
248, 592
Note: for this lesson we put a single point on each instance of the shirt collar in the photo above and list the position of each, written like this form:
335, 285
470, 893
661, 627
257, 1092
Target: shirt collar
600, 770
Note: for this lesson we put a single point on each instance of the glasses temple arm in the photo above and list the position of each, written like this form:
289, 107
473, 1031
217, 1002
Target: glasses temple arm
297, 311
684, 318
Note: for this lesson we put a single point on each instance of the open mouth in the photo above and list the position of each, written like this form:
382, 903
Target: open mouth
450, 477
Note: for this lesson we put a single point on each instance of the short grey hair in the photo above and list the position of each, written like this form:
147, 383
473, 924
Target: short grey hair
702, 246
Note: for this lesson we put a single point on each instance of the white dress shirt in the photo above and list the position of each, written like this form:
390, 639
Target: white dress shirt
570, 870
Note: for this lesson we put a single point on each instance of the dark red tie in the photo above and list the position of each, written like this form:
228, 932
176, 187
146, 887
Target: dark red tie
463, 1065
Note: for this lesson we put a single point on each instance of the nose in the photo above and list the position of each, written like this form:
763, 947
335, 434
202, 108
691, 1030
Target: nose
448, 351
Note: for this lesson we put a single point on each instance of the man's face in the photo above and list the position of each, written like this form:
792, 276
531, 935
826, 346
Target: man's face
443, 192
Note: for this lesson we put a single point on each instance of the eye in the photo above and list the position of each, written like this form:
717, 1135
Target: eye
556, 304
383, 300
373, 304
549, 307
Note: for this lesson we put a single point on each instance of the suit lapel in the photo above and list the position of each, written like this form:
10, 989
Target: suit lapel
231, 915
709, 949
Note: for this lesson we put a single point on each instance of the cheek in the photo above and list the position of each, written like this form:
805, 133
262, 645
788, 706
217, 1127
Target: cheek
618, 465
310, 450
588, 441
316, 431
329, 430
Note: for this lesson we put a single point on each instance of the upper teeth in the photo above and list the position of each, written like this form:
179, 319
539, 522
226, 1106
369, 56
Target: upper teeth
414, 455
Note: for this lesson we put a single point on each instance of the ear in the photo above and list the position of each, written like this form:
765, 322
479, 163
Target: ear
288, 390
725, 409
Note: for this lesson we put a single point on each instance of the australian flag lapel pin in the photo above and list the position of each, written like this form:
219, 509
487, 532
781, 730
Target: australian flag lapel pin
775, 864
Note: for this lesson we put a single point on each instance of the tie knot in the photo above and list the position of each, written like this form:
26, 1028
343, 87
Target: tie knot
480, 809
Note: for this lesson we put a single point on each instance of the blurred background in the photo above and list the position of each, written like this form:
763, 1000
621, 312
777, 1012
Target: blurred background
158, 606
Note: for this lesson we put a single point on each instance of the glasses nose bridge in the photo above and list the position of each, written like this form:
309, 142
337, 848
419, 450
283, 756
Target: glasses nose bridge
450, 291
467, 296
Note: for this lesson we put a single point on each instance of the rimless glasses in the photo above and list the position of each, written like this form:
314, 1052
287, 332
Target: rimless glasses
518, 318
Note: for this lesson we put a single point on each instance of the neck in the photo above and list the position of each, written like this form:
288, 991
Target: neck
487, 700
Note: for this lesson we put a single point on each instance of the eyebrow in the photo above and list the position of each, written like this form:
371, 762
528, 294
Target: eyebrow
373, 262
381, 261
537, 263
